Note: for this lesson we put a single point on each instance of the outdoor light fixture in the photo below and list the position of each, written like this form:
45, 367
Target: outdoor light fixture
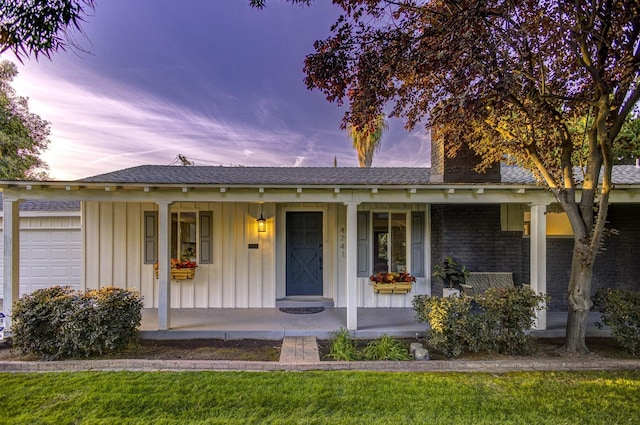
262, 222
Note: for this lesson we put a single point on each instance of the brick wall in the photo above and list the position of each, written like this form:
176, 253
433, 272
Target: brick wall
472, 235
459, 169
622, 251
617, 266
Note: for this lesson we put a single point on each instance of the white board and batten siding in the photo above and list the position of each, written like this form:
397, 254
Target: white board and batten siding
335, 279
238, 278
50, 251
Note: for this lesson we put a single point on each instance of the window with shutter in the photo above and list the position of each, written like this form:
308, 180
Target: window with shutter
383, 240
206, 237
363, 244
191, 236
150, 237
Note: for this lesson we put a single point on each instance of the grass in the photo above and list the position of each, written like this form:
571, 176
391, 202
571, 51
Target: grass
343, 347
386, 348
319, 398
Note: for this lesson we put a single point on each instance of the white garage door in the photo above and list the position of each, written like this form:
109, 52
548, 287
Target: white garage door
48, 258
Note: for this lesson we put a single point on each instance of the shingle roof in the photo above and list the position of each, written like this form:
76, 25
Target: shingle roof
35, 205
268, 176
289, 176
275, 176
626, 174
622, 174
510, 174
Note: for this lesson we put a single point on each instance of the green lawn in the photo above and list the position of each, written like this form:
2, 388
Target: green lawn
319, 398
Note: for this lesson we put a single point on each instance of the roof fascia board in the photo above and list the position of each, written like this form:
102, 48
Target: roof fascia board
423, 194
504, 195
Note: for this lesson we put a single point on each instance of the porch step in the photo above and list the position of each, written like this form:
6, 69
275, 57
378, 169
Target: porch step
292, 302
299, 349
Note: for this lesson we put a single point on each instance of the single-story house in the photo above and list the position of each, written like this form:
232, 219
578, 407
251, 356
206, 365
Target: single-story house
326, 230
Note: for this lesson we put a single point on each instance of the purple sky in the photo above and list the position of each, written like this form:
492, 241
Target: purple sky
216, 81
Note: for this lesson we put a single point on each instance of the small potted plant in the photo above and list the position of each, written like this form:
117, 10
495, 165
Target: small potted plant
392, 282
450, 273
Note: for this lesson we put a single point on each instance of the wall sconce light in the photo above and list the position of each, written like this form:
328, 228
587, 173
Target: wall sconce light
262, 222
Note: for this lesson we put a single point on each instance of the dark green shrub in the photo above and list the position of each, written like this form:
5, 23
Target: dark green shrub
104, 320
498, 325
621, 311
507, 313
386, 348
343, 347
59, 322
37, 321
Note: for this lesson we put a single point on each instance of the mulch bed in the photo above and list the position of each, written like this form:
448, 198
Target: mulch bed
192, 349
269, 350
544, 348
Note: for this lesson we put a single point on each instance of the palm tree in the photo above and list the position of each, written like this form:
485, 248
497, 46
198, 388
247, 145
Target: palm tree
367, 140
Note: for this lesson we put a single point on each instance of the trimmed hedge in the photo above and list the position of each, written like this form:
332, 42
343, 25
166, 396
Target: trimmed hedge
621, 311
496, 321
59, 322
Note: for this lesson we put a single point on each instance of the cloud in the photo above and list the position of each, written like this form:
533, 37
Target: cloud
99, 125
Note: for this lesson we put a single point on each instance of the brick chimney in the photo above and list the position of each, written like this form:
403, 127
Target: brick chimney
459, 169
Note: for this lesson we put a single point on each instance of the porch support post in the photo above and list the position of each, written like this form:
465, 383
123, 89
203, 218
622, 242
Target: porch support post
351, 274
11, 273
539, 259
164, 265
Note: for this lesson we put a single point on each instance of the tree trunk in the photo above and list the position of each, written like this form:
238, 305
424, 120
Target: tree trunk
579, 299
576, 331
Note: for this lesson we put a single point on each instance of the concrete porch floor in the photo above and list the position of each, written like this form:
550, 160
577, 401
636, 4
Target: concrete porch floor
271, 323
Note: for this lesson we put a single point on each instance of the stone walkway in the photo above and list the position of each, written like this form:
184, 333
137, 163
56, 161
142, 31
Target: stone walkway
299, 349
301, 354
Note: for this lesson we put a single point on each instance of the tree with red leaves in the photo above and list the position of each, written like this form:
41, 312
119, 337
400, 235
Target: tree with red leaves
507, 78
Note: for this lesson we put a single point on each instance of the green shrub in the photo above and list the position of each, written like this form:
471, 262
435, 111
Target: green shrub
343, 347
498, 325
59, 322
508, 314
386, 348
450, 320
621, 311
37, 321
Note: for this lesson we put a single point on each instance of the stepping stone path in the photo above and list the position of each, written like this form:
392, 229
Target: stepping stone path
299, 349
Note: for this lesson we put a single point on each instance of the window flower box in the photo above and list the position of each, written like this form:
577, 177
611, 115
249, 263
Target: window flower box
392, 283
180, 269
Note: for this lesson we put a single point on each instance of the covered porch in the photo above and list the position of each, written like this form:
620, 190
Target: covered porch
271, 323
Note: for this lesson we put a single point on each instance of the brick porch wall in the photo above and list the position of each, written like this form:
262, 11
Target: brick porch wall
472, 235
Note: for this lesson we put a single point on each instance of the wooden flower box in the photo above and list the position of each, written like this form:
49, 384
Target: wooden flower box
392, 288
181, 274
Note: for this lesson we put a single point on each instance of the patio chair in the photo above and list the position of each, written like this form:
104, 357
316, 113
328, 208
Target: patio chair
478, 281
467, 289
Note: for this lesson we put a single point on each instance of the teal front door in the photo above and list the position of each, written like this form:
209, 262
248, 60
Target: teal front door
304, 253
